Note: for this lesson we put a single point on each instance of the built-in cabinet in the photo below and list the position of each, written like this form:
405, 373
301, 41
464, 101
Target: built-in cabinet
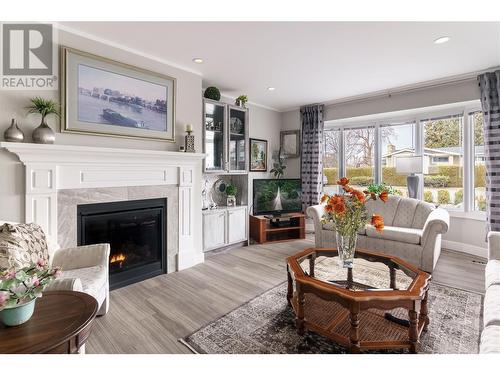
224, 226
225, 137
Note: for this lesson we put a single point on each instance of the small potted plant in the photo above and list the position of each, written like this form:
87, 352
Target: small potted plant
43, 107
212, 93
19, 290
241, 101
231, 191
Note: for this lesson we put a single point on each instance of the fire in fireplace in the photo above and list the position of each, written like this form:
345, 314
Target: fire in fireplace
136, 232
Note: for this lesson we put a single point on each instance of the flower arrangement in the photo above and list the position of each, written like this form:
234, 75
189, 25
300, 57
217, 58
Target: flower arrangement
348, 214
21, 286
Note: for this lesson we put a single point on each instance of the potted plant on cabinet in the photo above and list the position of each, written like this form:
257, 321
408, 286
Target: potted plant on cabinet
241, 101
231, 191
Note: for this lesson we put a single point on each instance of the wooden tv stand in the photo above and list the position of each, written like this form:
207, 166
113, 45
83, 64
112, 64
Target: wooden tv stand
263, 231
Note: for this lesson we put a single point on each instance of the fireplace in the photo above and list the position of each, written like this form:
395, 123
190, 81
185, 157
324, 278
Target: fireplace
136, 233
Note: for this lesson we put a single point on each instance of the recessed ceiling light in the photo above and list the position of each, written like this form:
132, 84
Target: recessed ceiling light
271, 88
198, 60
442, 39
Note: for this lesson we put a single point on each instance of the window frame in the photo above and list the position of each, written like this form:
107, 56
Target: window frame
418, 116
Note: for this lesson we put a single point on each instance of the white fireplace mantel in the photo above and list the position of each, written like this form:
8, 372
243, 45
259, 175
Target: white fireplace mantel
50, 168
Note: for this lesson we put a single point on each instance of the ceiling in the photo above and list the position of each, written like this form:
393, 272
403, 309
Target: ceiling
309, 62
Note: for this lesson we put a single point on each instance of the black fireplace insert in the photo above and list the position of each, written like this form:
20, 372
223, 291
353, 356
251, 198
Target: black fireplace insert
136, 232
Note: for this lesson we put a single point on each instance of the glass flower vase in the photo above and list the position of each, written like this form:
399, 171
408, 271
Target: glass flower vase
346, 246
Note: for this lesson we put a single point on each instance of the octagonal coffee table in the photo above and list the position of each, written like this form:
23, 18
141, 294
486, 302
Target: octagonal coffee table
381, 303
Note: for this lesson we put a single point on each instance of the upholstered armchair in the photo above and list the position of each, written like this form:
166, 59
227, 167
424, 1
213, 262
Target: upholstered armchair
84, 269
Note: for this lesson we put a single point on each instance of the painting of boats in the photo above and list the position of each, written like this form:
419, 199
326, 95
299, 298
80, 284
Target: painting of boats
109, 98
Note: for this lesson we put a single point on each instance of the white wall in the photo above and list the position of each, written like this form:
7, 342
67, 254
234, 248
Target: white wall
463, 231
12, 104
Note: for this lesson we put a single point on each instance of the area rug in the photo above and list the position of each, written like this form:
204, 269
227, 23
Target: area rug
266, 324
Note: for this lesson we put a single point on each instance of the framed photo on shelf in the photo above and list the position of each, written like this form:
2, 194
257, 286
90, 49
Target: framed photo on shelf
258, 155
290, 143
104, 97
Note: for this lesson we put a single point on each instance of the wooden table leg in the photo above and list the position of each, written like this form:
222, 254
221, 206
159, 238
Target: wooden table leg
289, 294
413, 330
312, 261
354, 332
299, 321
424, 312
392, 273
349, 278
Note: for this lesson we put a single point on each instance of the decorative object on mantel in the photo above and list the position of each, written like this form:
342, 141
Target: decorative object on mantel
290, 143
212, 93
241, 101
19, 289
109, 98
13, 133
258, 155
45, 107
348, 215
231, 191
189, 139
182, 149
278, 165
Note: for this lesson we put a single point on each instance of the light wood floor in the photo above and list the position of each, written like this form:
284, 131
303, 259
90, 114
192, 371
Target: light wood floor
150, 317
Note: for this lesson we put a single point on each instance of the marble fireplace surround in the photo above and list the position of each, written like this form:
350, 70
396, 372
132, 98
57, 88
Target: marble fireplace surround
58, 178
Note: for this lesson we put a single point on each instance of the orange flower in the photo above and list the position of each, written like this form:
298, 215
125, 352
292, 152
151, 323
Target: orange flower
378, 222
324, 198
373, 196
329, 208
359, 195
343, 181
339, 208
336, 199
384, 196
347, 189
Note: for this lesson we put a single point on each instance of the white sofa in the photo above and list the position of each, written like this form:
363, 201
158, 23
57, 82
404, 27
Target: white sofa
490, 337
84, 268
412, 231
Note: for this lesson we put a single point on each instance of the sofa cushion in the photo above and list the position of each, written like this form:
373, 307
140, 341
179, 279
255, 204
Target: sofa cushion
93, 279
491, 314
385, 209
422, 212
22, 244
405, 213
492, 273
490, 340
406, 235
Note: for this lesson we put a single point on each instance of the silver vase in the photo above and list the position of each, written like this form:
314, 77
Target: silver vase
44, 134
13, 133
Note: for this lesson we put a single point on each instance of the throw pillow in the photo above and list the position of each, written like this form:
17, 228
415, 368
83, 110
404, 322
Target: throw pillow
22, 244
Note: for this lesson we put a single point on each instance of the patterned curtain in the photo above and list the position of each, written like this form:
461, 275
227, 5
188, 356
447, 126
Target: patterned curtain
489, 85
312, 155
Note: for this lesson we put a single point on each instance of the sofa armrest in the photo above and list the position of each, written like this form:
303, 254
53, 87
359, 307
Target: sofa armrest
494, 245
82, 257
316, 213
70, 283
437, 222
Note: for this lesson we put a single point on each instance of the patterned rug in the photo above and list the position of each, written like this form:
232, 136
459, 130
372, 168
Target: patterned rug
267, 325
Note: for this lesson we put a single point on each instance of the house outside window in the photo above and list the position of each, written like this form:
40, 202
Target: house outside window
450, 140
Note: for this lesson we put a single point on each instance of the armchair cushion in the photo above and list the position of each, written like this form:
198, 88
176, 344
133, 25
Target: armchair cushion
71, 284
490, 340
82, 257
492, 306
400, 234
492, 273
93, 279
22, 244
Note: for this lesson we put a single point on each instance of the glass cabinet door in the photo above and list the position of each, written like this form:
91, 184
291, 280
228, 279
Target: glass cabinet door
238, 153
214, 123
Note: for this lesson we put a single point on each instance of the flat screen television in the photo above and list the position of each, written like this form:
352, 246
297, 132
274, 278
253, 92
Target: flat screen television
276, 197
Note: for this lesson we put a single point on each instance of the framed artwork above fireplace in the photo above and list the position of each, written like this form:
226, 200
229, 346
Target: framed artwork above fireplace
104, 97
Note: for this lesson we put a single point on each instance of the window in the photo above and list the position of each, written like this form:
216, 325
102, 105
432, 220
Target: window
359, 155
397, 140
479, 177
443, 153
450, 141
331, 161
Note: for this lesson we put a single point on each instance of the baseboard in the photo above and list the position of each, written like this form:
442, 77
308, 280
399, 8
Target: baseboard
481, 252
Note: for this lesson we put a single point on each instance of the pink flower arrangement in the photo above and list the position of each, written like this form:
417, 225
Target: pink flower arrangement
22, 285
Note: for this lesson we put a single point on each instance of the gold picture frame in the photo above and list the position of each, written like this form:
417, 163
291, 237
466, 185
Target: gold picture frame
130, 103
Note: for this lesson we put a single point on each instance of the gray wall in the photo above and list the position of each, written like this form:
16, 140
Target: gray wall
12, 103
